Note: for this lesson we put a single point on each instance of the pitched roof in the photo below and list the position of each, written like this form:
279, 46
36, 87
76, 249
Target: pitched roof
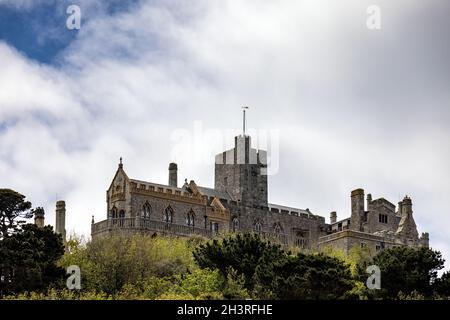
214, 193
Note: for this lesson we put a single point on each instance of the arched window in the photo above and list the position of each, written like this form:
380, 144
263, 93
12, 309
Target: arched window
121, 218
257, 227
190, 218
146, 211
114, 213
235, 224
168, 215
277, 228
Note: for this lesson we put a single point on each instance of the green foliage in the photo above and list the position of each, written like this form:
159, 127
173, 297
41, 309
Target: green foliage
442, 285
408, 272
269, 272
111, 262
29, 259
134, 267
306, 276
242, 252
12, 207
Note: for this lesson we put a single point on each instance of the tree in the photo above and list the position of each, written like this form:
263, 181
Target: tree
243, 253
406, 270
306, 276
442, 285
28, 259
12, 207
110, 263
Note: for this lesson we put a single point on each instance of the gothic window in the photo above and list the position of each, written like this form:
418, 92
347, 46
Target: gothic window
114, 213
146, 210
190, 218
235, 224
121, 214
257, 227
168, 215
277, 228
301, 238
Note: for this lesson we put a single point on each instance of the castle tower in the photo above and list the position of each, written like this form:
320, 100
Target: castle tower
407, 229
39, 217
357, 217
173, 175
60, 225
242, 171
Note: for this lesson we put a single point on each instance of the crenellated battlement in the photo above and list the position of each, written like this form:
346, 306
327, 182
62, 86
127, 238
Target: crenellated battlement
171, 193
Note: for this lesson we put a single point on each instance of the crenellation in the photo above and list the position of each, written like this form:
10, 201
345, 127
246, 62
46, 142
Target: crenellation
239, 203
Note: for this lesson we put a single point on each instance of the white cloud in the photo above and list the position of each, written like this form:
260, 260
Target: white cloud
348, 112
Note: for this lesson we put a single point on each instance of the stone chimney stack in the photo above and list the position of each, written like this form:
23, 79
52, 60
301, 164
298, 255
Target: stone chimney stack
333, 217
400, 208
173, 175
60, 225
39, 217
357, 197
369, 201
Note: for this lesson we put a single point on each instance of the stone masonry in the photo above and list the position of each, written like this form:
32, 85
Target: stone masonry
239, 203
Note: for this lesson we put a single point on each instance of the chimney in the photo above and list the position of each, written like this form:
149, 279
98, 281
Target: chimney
357, 197
39, 217
173, 175
400, 208
60, 225
369, 201
333, 217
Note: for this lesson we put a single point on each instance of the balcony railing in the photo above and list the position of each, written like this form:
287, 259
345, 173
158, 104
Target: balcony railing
150, 225
138, 223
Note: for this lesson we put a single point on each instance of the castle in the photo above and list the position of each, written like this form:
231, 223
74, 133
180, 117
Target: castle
239, 203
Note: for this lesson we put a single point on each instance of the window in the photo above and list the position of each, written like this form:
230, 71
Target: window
383, 218
168, 215
363, 245
225, 181
146, 210
257, 227
215, 227
235, 224
277, 228
114, 213
377, 248
190, 218
121, 218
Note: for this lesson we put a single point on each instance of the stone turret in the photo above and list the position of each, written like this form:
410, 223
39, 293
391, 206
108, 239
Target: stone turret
407, 229
424, 240
173, 175
333, 217
357, 198
60, 225
39, 217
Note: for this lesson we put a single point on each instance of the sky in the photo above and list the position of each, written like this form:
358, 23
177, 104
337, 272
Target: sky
341, 106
